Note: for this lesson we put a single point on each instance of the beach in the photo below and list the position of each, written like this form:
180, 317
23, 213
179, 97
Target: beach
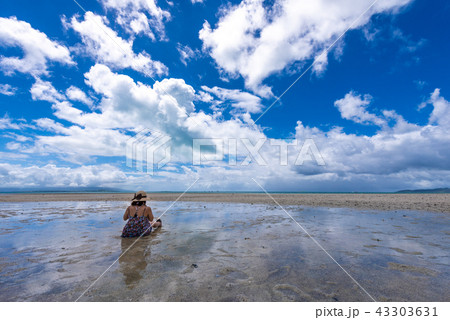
374, 201
214, 248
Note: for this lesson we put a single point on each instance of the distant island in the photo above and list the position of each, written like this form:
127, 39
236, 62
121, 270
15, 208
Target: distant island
439, 190
63, 190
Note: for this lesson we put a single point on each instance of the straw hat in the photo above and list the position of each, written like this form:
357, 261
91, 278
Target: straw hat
140, 196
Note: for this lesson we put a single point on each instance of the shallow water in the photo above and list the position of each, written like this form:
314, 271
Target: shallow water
221, 252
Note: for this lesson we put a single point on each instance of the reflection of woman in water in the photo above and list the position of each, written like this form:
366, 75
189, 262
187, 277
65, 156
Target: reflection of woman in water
140, 217
133, 260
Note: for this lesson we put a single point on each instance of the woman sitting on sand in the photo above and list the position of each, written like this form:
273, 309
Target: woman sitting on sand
140, 217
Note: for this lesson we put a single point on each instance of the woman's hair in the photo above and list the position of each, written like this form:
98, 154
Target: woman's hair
138, 203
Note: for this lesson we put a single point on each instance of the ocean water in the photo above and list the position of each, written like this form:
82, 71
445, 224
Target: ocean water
54, 251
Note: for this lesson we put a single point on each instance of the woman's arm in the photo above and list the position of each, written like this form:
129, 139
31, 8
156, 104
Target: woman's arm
126, 214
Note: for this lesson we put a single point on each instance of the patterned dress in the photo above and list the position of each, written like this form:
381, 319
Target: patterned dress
136, 227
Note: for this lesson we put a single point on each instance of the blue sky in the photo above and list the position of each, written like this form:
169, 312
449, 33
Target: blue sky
76, 85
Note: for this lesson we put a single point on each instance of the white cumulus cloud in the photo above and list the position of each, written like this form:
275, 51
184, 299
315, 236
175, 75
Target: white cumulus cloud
255, 40
398, 155
354, 107
186, 53
44, 90
237, 99
38, 50
139, 16
76, 94
125, 108
7, 89
51, 175
105, 46
441, 109
7, 123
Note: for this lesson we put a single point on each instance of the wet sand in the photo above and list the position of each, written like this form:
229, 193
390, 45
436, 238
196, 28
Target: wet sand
53, 251
418, 202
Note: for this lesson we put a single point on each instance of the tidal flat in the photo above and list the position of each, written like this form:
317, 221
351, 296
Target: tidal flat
213, 251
